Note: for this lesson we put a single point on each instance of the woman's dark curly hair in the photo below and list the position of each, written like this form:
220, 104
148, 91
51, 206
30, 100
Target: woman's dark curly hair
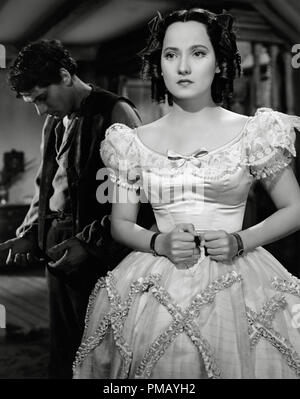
38, 64
222, 37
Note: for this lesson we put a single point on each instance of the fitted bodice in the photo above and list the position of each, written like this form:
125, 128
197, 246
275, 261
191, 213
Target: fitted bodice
208, 188
189, 197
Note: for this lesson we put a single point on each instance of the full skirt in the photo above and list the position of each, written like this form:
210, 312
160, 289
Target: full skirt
148, 319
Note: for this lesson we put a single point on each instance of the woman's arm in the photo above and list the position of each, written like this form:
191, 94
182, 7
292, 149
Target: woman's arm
285, 193
178, 245
123, 222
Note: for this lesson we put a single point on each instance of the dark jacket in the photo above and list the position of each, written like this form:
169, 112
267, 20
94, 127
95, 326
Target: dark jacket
97, 112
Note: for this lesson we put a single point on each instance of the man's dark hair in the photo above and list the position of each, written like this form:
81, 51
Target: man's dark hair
38, 64
223, 39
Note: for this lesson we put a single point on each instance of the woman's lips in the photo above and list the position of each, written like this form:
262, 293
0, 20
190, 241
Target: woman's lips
184, 82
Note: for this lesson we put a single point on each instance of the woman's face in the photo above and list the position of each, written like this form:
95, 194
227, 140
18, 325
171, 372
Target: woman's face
188, 60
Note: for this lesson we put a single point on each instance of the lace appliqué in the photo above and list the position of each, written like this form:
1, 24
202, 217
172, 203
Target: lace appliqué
212, 166
100, 284
121, 156
183, 323
269, 145
278, 162
260, 326
92, 341
114, 319
265, 147
288, 286
122, 183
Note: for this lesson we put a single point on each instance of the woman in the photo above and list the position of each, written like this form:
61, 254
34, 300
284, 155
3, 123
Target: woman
169, 310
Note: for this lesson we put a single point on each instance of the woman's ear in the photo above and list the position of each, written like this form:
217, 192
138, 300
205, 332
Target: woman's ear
66, 78
218, 70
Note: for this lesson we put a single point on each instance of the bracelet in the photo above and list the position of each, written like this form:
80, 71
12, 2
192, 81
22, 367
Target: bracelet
240, 244
152, 244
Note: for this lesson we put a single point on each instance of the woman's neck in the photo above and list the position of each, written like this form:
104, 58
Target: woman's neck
188, 111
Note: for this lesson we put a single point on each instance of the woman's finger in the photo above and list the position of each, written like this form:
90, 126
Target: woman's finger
213, 244
184, 237
213, 235
186, 254
218, 258
187, 227
184, 245
216, 251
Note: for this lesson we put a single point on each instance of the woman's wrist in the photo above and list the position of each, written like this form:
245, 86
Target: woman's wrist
239, 244
153, 246
157, 246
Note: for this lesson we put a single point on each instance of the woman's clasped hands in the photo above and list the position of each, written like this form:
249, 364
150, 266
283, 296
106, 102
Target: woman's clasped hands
184, 245
181, 245
220, 245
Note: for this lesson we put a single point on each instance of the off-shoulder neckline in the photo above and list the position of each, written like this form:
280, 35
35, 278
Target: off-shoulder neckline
234, 140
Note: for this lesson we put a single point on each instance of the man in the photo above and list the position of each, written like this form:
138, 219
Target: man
65, 224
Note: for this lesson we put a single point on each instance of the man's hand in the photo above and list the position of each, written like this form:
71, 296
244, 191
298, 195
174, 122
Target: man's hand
179, 245
68, 255
22, 252
220, 245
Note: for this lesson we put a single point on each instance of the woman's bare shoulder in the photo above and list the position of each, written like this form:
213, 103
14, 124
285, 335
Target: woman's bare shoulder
232, 123
151, 131
233, 117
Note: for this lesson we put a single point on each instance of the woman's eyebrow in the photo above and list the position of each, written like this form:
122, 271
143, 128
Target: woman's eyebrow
171, 48
199, 45
194, 46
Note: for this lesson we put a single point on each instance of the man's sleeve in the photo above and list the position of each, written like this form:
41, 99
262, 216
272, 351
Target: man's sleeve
125, 112
29, 227
96, 236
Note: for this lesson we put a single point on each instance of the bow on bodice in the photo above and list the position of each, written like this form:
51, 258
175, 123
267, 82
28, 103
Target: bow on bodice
180, 160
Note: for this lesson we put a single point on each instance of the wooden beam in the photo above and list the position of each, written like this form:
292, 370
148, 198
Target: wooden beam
56, 17
288, 12
295, 4
250, 35
73, 15
277, 23
288, 79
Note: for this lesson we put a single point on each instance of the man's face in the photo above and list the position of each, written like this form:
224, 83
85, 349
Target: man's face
54, 99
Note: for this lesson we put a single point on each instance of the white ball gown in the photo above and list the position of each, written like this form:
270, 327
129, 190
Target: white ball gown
238, 319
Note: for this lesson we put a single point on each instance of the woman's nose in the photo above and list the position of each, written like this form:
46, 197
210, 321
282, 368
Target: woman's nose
184, 67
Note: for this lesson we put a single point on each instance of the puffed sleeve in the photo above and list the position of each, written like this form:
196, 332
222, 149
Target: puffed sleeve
120, 155
270, 142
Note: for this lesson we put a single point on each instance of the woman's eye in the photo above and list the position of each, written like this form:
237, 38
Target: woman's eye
170, 56
199, 54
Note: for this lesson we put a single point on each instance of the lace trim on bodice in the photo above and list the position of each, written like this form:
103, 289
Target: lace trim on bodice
264, 146
212, 167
